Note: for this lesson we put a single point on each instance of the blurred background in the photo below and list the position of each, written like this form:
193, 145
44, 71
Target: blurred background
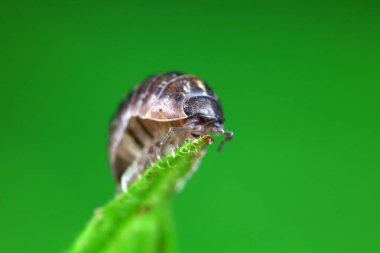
299, 82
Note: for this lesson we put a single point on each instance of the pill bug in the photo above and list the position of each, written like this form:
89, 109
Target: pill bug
158, 116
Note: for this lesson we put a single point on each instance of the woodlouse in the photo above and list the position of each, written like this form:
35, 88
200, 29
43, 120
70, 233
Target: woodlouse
158, 116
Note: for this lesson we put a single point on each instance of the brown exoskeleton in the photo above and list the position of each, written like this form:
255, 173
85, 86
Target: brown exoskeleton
157, 116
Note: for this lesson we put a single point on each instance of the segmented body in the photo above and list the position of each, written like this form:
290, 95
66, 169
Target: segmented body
163, 103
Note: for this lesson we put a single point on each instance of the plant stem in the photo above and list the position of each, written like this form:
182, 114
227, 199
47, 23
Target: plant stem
139, 220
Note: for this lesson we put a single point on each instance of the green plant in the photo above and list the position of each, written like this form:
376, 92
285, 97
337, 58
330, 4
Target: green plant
139, 220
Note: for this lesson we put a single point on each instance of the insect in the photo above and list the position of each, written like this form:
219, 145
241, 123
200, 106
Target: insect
158, 116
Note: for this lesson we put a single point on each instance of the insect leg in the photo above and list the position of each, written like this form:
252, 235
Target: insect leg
170, 132
130, 175
191, 128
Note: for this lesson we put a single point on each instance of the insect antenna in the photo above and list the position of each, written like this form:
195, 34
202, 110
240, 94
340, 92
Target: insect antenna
227, 136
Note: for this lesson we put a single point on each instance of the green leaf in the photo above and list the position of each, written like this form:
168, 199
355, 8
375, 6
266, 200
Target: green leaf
139, 220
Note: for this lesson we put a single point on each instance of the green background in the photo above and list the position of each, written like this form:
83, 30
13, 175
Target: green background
299, 83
